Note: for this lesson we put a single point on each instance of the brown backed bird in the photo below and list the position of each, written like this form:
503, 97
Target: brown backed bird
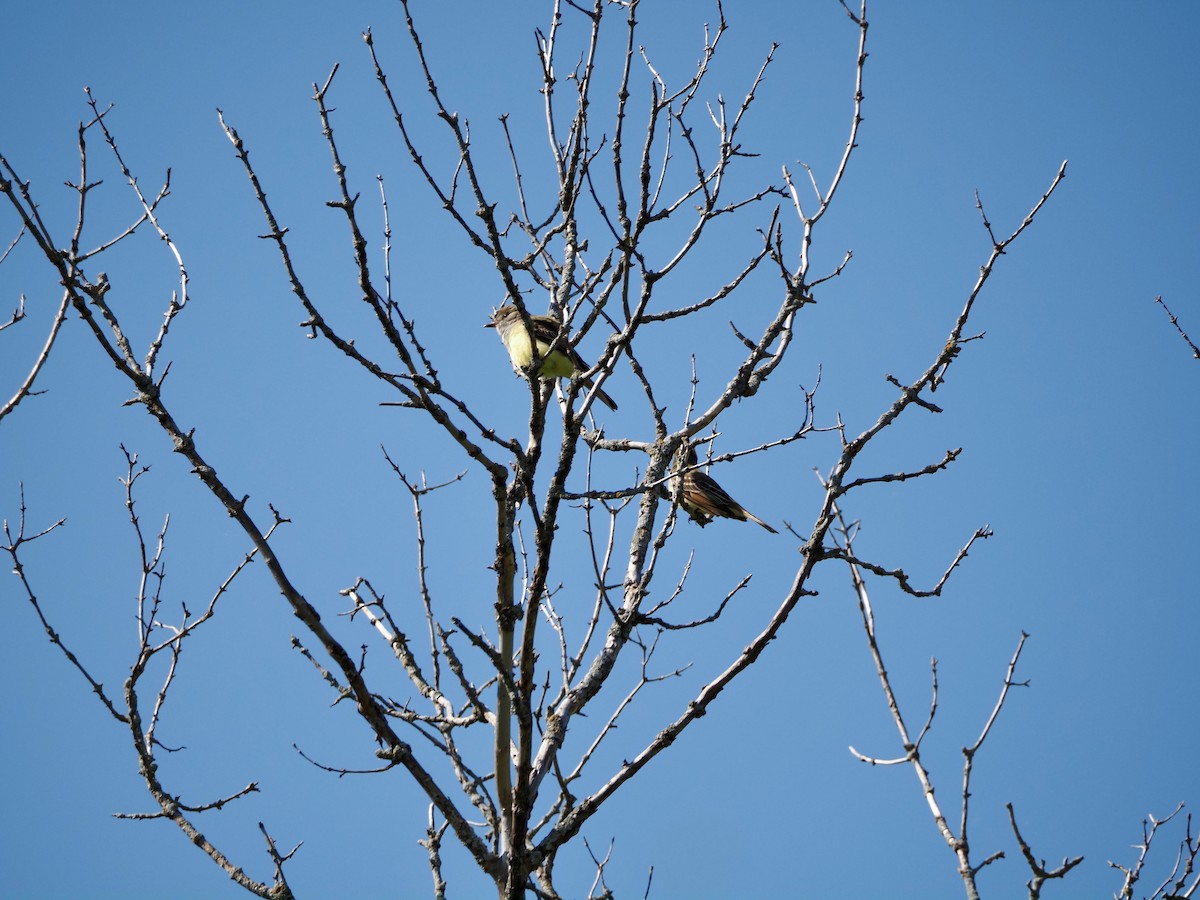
702, 498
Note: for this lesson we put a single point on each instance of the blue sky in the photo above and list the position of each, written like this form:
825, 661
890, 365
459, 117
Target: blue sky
1077, 413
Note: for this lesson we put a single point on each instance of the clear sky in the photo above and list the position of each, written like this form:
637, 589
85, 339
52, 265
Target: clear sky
1078, 415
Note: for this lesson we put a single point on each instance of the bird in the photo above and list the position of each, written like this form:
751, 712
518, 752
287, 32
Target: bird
703, 499
559, 359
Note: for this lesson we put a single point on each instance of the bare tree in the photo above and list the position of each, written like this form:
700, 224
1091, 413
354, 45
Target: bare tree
634, 198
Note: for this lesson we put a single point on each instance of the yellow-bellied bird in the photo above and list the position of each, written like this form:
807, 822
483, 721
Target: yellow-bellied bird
559, 359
